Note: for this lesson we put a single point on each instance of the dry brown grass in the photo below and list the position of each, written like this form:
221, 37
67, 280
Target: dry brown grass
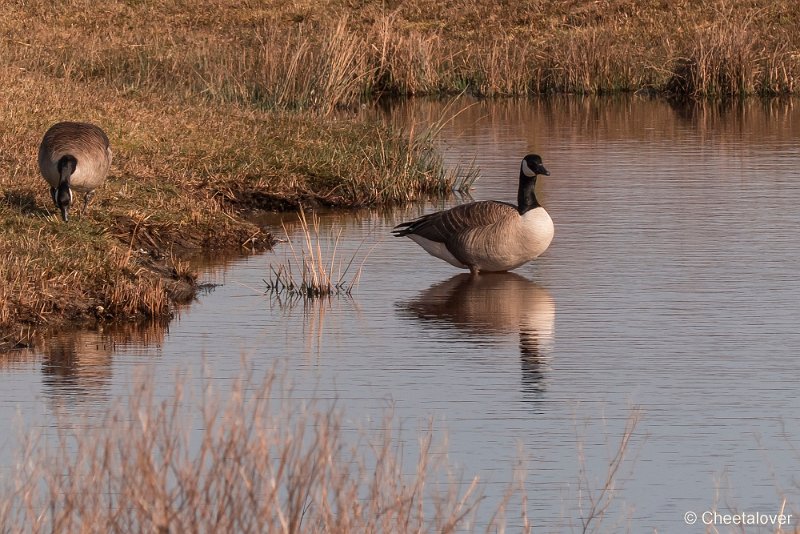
260, 462
321, 55
738, 52
257, 459
187, 158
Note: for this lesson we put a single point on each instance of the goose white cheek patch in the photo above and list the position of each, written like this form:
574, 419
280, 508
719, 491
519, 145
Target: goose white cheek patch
527, 170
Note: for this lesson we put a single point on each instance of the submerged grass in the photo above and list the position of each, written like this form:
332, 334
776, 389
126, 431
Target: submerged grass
321, 272
256, 459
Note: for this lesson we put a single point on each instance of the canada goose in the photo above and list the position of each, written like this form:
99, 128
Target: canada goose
488, 235
74, 156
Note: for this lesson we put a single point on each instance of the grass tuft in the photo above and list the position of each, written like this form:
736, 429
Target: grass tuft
313, 271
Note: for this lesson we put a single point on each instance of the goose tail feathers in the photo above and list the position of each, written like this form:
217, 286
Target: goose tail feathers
412, 227
403, 229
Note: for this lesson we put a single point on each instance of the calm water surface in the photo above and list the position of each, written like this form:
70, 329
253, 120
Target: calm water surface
671, 285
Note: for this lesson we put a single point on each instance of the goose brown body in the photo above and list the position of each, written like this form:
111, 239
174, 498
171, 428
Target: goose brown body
487, 235
86, 146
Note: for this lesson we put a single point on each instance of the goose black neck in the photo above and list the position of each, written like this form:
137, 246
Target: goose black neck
526, 198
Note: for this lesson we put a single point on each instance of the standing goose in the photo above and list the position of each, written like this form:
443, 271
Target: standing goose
74, 156
488, 235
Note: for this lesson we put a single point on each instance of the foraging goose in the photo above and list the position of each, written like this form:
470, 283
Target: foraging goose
74, 156
488, 235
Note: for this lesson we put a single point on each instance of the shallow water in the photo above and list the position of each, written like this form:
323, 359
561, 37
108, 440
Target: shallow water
670, 285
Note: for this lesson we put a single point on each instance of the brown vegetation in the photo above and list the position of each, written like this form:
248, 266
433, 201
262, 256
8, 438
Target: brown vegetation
185, 167
314, 270
259, 460
258, 464
321, 55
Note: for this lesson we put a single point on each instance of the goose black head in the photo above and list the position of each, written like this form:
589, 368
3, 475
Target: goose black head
532, 166
62, 195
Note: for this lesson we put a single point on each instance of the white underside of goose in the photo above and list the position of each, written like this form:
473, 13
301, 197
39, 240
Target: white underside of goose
438, 250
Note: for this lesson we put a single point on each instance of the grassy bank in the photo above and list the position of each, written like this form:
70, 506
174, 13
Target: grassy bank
186, 168
182, 175
337, 52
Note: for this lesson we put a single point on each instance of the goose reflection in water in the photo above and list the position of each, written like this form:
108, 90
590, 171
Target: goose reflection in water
496, 303
77, 364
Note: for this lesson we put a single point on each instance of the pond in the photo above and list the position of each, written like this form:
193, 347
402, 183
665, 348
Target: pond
670, 287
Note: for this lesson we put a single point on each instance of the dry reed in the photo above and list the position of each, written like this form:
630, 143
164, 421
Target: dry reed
257, 460
261, 461
320, 274
594, 504
334, 54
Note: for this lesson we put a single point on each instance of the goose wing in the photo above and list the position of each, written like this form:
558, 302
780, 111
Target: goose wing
443, 226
